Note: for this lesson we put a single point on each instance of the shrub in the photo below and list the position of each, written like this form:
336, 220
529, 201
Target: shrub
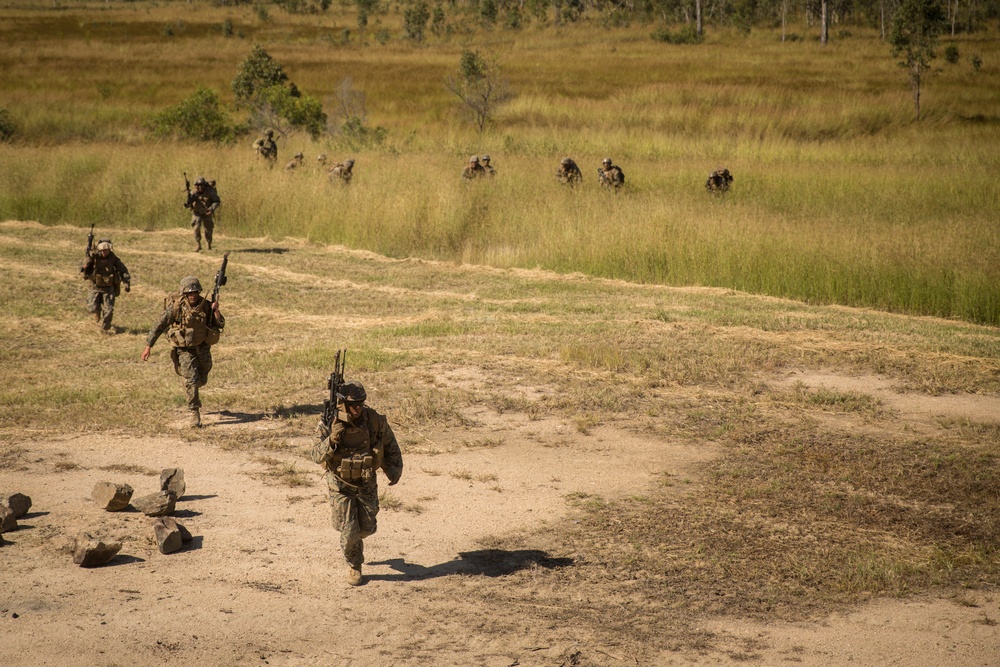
8, 128
951, 54
199, 117
686, 35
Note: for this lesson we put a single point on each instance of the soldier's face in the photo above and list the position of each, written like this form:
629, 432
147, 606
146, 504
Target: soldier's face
193, 297
105, 253
353, 409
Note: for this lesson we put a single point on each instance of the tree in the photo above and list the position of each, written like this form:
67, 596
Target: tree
199, 117
480, 86
260, 88
415, 20
915, 30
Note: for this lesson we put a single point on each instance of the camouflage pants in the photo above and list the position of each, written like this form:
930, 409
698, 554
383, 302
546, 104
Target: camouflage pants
354, 511
193, 364
206, 221
101, 301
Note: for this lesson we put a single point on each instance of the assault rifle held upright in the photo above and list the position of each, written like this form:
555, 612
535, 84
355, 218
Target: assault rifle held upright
333, 384
90, 248
220, 278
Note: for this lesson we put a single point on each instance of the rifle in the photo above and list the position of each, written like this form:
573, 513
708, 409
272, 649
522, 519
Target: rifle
90, 246
187, 186
220, 278
333, 383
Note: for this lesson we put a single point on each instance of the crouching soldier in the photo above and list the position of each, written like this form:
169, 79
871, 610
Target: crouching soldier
569, 172
192, 325
342, 171
352, 448
106, 274
611, 175
719, 180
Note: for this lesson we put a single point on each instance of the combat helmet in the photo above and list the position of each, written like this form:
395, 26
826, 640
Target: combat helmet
352, 392
566, 161
474, 159
349, 162
485, 158
607, 160
190, 285
104, 244
201, 181
298, 156
269, 133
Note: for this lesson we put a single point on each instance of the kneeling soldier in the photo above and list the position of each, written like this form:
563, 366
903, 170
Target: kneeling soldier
352, 448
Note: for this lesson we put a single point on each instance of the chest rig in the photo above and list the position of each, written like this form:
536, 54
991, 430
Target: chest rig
105, 274
190, 325
357, 457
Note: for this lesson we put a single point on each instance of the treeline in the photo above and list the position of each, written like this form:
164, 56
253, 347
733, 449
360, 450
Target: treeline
443, 17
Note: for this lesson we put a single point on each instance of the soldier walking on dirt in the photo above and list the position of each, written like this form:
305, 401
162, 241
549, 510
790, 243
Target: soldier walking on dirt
192, 325
342, 171
203, 202
266, 148
106, 274
352, 448
611, 175
569, 173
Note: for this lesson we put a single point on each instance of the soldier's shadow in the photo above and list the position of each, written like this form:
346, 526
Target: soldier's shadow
269, 251
483, 562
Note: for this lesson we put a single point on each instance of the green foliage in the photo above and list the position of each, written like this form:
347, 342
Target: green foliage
480, 86
415, 20
199, 117
915, 30
438, 21
227, 28
354, 134
8, 127
259, 86
951, 54
685, 35
258, 72
977, 62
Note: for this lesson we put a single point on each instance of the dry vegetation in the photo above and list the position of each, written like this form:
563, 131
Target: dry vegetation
820, 498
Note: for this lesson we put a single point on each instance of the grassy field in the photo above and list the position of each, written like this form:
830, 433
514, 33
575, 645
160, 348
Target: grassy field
839, 196
819, 497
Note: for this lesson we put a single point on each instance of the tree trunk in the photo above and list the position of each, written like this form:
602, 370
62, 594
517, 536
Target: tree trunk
784, 11
697, 13
824, 31
915, 84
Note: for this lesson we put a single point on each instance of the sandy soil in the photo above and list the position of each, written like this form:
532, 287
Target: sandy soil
263, 580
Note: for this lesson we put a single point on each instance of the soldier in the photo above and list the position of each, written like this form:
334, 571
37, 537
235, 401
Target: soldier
352, 449
266, 148
192, 325
343, 171
473, 170
203, 202
569, 173
611, 175
490, 171
106, 274
719, 180
321, 159
295, 162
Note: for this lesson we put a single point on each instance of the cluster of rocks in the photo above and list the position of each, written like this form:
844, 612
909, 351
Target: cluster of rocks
12, 508
170, 536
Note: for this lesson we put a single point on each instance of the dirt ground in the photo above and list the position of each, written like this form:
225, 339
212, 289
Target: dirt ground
263, 580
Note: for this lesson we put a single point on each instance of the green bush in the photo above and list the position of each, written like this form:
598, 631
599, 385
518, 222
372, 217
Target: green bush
686, 35
199, 117
951, 54
8, 128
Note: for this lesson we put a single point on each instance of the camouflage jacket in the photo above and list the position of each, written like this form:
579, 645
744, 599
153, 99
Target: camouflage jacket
342, 172
473, 171
569, 173
380, 436
204, 204
612, 177
266, 148
106, 272
179, 314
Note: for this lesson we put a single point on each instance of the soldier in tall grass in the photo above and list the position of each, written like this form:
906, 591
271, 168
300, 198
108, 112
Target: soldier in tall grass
473, 170
569, 172
106, 273
266, 148
342, 171
203, 202
611, 175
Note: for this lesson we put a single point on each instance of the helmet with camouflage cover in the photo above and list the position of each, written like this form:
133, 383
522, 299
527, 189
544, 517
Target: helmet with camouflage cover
268, 133
485, 158
298, 156
607, 161
474, 159
566, 161
201, 181
104, 244
349, 162
190, 285
352, 392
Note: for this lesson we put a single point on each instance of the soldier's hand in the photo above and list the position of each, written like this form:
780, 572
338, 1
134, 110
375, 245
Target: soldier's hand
128, 288
215, 307
145, 353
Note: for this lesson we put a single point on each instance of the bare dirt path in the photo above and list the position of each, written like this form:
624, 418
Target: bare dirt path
262, 583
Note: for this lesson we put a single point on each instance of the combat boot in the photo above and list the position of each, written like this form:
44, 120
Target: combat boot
354, 575
209, 243
195, 418
198, 249
97, 317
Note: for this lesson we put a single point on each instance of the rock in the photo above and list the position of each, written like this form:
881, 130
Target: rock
172, 479
170, 535
160, 503
8, 521
18, 502
90, 552
112, 497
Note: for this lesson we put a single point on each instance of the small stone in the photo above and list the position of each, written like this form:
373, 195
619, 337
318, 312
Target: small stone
168, 535
172, 479
112, 497
90, 552
160, 503
18, 502
8, 521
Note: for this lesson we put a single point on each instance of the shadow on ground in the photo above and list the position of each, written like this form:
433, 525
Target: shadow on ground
484, 562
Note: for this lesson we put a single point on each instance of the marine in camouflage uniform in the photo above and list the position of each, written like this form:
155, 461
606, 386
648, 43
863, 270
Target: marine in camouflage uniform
352, 449
203, 202
569, 173
611, 175
321, 159
719, 180
295, 162
106, 274
192, 325
485, 161
266, 148
473, 170
342, 171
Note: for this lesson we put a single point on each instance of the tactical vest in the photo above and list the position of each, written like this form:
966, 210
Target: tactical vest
190, 324
356, 458
105, 273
